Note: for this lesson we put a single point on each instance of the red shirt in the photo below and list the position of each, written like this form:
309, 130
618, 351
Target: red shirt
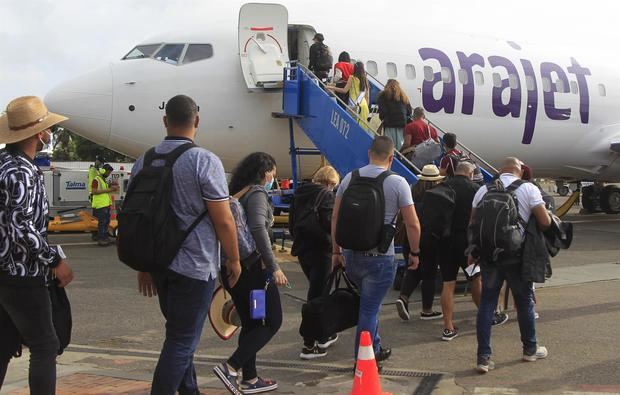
346, 68
419, 131
448, 163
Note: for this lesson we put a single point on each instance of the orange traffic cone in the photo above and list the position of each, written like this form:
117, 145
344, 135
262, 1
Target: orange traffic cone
366, 380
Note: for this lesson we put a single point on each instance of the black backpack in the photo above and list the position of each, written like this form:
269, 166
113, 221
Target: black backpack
495, 229
149, 235
438, 205
324, 58
362, 212
308, 223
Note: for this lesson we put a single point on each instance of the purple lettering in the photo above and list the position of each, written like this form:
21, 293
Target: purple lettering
584, 97
557, 114
467, 63
447, 99
513, 107
532, 103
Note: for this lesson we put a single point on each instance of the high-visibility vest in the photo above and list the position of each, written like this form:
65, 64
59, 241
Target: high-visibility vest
101, 200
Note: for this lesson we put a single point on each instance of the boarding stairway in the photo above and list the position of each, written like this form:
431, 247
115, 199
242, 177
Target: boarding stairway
341, 136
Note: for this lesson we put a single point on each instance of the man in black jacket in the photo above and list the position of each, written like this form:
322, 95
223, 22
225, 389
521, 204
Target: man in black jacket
320, 57
27, 261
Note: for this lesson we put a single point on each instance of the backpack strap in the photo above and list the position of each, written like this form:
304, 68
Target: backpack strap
170, 157
355, 174
511, 190
381, 177
516, 184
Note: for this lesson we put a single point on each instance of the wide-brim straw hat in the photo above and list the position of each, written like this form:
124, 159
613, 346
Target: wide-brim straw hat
430, 173
25, 117
223, 314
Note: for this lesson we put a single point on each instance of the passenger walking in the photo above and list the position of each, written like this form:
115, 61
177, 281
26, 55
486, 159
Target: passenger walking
186, 287
27, 262
310, 216
452, 157
342, 71
250, 181
367, 203
429, 255
321, 59
418, 130
394, 110
498, 247
453, 254
101, 202
358, 89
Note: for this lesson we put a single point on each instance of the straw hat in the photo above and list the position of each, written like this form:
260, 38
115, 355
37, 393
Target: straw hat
223, 314
25, 117
430, 173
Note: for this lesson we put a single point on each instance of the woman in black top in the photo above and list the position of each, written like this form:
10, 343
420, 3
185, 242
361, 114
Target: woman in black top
310, 225
394, 110
251, 180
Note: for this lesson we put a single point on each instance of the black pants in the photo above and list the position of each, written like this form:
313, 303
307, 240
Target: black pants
425, 273
254, 334
317, 266
29, 311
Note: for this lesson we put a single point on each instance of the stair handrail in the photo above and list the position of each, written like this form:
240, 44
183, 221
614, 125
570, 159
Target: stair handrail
443, 132
397, 153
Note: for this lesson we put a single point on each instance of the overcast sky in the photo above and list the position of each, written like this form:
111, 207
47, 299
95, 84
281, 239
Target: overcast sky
44, 42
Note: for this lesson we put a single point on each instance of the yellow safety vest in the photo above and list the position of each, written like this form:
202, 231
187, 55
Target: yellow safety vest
103, 199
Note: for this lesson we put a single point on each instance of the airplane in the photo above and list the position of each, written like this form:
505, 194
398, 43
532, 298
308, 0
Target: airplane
555, 111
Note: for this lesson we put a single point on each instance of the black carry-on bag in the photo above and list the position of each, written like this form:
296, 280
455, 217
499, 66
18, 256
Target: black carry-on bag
332, 312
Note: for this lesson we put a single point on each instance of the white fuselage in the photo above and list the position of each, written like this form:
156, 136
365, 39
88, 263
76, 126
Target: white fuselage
236, 121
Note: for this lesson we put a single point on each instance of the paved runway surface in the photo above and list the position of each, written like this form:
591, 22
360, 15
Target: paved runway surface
118, 333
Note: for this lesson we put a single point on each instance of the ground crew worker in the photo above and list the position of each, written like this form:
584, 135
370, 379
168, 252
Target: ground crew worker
101, 203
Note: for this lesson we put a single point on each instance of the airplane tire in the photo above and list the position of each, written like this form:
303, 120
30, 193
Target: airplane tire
610, 199
588, 199
563, 190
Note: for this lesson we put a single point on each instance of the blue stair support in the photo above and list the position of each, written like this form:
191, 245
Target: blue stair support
332, 129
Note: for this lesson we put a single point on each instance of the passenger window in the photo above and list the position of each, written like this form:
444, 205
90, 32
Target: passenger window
530, 82
429, 75
602, 90
497, 80
574, 88
196, 52
371, 68
513, 81
546, 82
410, 71
141, 51
392, 71
446, 75
463, 77
479, 78
170, 53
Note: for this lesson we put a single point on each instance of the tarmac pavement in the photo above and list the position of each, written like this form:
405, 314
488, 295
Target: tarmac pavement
117, 333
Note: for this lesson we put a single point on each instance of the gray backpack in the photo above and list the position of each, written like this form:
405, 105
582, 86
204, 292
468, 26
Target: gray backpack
495, 229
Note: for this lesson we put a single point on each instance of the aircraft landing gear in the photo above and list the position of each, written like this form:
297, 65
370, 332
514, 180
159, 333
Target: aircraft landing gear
598, 198
562, 188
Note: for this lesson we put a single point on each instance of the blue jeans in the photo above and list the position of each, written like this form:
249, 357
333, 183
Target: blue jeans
374, 276
185, 303
103, 218
493, 277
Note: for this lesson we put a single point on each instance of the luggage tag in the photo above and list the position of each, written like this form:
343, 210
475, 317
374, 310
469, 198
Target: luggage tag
258, 306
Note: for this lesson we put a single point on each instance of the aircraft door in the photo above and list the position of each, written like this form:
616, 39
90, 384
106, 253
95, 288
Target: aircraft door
263, 44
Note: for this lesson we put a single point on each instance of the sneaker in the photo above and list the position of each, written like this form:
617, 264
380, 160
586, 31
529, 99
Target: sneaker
103, 242
383, 354
229, 379
448, 335
484, 365
431, 316
314, 352
402, 307
541, 353
500, 319
330, 340
261, 385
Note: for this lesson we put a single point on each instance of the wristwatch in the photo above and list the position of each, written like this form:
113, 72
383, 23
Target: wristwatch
417, 253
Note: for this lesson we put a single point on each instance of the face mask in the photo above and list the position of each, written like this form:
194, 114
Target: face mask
268, 185
46, 146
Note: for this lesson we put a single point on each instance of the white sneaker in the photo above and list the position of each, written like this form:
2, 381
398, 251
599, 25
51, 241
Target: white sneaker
541, 353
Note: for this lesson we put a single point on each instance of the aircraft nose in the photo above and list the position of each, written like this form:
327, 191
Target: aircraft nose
87, 102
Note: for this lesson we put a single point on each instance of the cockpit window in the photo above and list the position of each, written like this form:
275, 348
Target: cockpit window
142, 51
170, 53
196, 52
